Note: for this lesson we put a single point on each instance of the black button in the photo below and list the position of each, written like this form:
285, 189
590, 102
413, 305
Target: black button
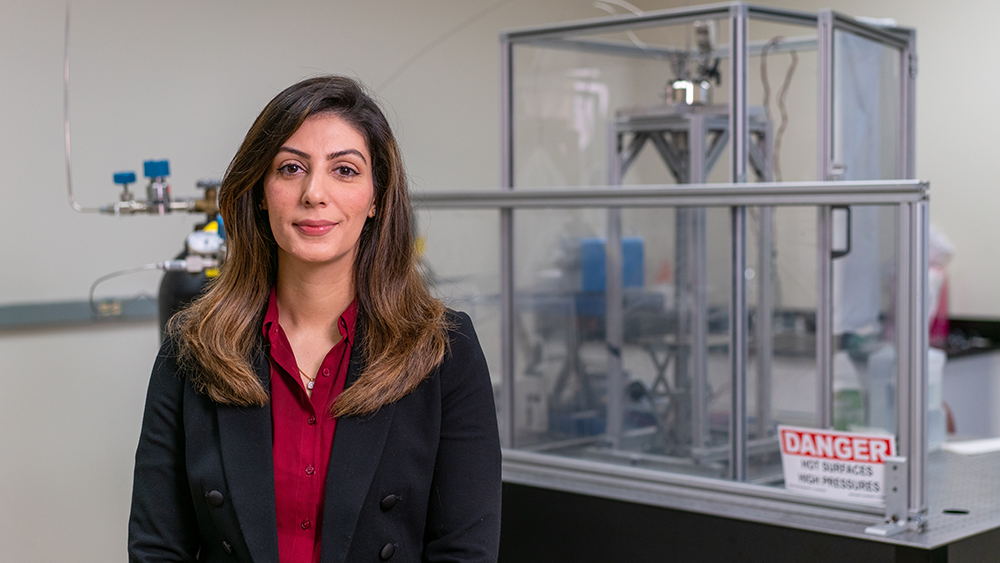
387, 552
389, 502
227, 548
215, 498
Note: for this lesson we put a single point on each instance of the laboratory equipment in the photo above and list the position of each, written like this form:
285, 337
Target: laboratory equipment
204, 251
842, 277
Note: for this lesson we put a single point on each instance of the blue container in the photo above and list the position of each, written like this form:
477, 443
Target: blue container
594, 271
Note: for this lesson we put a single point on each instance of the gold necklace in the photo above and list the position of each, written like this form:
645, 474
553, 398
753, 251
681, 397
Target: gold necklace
312, 380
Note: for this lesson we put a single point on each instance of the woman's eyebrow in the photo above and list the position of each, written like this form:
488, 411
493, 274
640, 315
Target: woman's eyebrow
331, 156
296, 152
339, 154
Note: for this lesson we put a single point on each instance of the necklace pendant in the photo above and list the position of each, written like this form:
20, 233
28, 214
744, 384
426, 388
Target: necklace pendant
310, 385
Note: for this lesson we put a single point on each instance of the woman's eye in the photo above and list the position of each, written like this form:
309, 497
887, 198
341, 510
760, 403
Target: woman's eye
290, 168
346, 171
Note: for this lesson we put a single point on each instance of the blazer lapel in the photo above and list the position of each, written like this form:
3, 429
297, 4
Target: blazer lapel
247, 455
357, 448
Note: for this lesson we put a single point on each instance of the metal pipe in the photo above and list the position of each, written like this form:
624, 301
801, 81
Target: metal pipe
66, 133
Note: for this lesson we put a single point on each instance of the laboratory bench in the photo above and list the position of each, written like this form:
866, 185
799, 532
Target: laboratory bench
550, 522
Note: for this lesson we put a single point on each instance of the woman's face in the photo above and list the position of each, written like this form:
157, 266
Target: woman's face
318, 192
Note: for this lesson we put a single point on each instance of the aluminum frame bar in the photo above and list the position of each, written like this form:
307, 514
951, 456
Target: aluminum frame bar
908, 118
824, 227
506, 398
739, 127
880, 35
657, 17
621, 22
586, 476
621, 48
874, 192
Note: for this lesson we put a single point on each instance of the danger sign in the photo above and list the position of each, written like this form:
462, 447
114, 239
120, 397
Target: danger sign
835, 465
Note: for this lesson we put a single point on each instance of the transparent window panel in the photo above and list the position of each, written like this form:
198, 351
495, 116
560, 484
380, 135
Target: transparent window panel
560, 359
782, 377
569, 91
675, 356
463, 271
864, 312
782, 95
669, 407
867, 141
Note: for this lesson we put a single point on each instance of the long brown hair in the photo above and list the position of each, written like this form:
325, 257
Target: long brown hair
403, 328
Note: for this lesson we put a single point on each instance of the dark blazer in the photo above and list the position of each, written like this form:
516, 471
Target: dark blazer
419, 480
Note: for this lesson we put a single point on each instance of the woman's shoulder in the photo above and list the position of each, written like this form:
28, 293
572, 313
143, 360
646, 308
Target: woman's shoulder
458, 323
464, 352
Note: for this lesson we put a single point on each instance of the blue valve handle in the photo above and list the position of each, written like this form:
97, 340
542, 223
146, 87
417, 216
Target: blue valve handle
124, 178
156, 168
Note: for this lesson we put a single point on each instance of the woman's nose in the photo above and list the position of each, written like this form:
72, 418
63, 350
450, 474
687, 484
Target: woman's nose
314, 194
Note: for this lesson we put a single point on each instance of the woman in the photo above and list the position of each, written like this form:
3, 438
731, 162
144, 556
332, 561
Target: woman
317, 404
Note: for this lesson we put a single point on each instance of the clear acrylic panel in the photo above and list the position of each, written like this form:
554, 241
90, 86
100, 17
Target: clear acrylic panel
673, 412
675, 386
560, 360
782, 96
864, 303
867, 141
568, 91
676, 341
782, 375
464, 271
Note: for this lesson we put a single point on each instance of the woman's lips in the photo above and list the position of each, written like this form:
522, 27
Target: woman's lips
313, 227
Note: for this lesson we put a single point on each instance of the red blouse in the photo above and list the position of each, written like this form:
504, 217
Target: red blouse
303, 435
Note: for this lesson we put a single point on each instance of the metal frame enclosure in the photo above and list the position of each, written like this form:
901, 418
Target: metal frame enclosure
909, 197
671, 489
